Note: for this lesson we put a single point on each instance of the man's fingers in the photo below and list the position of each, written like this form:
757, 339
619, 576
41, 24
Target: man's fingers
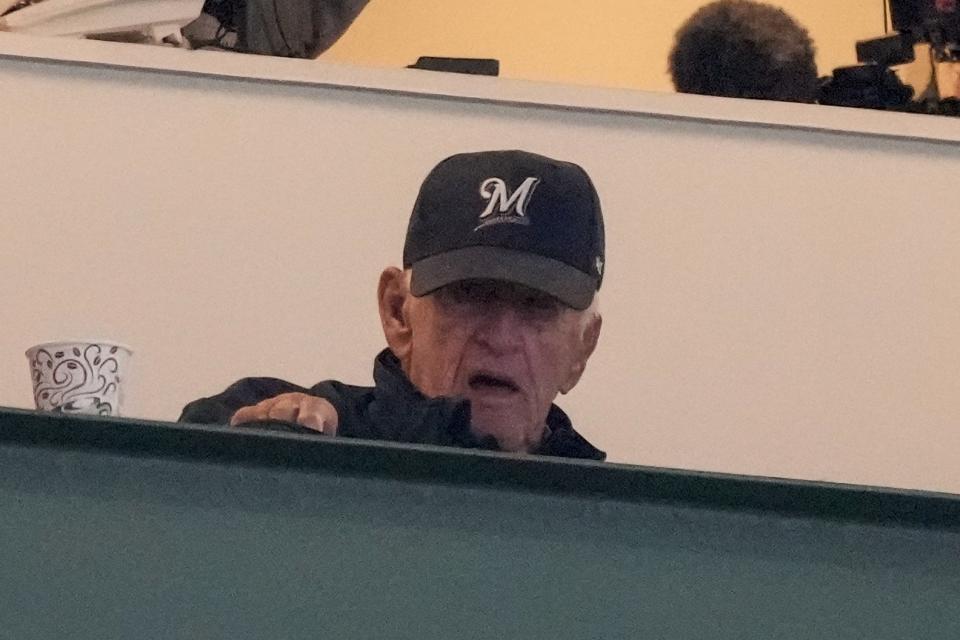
308, 411
248, 414
320, 416
277, 408
286, 409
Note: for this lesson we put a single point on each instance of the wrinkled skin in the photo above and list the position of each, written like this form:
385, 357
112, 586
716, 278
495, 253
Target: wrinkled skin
507, 348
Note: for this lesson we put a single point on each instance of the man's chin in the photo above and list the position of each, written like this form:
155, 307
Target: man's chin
510, 434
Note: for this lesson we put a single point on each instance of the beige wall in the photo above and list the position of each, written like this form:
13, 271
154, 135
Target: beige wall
619, 43
777, 302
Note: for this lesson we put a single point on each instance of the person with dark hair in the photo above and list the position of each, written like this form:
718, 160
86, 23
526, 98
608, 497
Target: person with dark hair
493, 314
744, 49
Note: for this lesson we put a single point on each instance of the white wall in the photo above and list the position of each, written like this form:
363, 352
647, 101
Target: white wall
778, 302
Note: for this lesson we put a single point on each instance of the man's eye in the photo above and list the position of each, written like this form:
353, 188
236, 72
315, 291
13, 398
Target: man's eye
543, 304
470, 293
541, 308
480, 296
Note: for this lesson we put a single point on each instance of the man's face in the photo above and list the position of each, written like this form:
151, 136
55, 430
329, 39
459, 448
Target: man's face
507, 348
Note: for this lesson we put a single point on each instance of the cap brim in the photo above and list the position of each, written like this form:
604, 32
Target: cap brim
553, 277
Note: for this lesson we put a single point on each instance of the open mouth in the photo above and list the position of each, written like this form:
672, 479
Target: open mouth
490, 382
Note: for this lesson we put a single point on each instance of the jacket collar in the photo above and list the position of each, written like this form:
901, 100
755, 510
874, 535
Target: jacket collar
397, 394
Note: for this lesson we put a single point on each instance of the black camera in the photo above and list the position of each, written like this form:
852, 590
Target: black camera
873, 84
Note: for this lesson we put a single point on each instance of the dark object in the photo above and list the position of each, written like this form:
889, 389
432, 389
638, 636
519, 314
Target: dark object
296, 28
945, 107
22, 4
887, 51
936, 22
508, 215
229, 13
472, 66
933, 21
288, 28
871, 86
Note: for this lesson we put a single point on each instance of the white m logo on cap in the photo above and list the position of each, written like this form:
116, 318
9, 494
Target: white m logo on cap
503, 206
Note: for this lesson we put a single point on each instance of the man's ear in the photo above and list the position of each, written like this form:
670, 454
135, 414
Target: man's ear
589, 337
392, 293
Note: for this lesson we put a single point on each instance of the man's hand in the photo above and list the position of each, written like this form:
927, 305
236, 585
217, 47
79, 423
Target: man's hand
299, 408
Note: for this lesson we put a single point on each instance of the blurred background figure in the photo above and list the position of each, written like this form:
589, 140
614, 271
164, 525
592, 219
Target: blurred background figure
744, 49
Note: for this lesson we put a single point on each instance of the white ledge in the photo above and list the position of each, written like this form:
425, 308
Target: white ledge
430, 84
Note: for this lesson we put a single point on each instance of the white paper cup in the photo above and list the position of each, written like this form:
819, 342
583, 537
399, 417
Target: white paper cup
79, 376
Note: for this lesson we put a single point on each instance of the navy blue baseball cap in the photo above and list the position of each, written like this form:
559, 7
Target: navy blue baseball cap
513, 216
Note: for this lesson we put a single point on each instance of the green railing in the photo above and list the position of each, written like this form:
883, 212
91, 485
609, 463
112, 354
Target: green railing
130, 529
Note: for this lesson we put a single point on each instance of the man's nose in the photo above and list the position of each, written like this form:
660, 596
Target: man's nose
500, 327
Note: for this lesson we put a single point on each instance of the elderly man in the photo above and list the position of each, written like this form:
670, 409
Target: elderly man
493, 315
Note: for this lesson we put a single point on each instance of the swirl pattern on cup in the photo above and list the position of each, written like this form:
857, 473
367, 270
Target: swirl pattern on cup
76, 379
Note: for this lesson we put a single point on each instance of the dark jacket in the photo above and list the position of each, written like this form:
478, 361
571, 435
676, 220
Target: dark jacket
392, 410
